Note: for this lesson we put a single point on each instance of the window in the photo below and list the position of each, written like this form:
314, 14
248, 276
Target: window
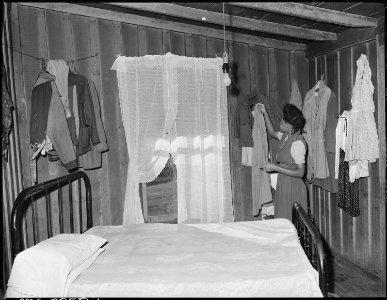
160, 201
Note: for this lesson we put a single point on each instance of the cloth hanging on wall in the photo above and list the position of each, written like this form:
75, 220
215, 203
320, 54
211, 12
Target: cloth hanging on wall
319, 131
243, 125
363, 142
348, 192
48, 119
7, 119
261, 188
93, 158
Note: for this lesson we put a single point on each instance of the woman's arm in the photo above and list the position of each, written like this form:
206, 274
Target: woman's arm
269, 125
298, 172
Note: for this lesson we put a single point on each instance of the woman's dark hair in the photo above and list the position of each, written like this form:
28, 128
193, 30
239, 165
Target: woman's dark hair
294, 117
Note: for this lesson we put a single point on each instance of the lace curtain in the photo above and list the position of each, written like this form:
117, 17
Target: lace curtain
178, 105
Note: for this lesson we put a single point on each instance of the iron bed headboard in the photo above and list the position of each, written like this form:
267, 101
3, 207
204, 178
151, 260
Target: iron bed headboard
29, 195
311, 242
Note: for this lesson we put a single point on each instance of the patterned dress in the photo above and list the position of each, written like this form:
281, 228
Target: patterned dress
289, 189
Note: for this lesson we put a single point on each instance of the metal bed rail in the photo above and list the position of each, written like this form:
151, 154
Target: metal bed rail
311, 242
27, 197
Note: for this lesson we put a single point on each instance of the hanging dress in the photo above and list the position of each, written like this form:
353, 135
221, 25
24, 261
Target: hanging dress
362, 142
289, 189
260, 179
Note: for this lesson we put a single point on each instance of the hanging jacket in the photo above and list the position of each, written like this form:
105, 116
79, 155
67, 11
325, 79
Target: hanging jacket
261, 188
48, 119
274, 110
243, 125
330, 183
88, 134
315, 113
93, 158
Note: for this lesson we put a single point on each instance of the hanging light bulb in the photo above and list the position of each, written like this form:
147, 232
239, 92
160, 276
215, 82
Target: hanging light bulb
226, 68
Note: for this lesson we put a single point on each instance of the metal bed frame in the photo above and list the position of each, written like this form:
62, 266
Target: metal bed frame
308, 234
311, 242
27, 197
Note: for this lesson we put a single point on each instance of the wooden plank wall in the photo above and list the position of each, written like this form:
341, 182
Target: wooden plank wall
357, 239
11, 181
56, 34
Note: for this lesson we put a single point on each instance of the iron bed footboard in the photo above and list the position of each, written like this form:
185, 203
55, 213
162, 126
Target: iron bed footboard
311, 242
29, 195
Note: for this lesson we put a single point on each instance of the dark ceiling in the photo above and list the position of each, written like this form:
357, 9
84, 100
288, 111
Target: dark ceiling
297, 22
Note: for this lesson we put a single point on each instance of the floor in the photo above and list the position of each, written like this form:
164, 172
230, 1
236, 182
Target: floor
351, 281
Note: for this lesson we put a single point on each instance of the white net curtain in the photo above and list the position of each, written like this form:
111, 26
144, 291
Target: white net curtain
178, 105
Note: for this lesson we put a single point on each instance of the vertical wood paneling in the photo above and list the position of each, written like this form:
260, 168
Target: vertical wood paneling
345, 92
283, 76
374, 199
332, 76
129, 39
98, 177
361, 233
240, 57
109, 37
195, 46
236, 153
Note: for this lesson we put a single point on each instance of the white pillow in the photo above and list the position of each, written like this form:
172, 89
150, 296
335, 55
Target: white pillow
43, 270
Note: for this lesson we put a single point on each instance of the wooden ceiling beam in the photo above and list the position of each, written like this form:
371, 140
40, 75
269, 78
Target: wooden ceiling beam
206, 16
311, 12
105, 14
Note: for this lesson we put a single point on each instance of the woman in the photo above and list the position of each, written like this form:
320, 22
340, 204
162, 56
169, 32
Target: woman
291, 161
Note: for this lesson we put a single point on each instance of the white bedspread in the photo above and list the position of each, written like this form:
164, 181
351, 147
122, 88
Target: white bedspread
242, 259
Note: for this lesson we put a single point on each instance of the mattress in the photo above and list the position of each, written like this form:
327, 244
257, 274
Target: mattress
241, 259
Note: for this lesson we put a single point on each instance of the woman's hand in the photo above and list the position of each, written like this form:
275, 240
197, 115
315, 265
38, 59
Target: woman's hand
269, 167
262, 107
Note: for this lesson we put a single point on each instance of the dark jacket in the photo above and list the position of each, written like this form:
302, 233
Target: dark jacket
48, 118
243, 125
330, 184
274, 110
88, 134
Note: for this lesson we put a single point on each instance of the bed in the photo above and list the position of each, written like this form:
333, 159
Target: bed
268, 258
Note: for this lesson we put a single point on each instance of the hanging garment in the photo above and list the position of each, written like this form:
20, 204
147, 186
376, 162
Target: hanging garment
348, 193
315, 113
48, 119
260, 179
93, 158
243, 125
289, 189
341, 138
60, 70
363, 141
6, 115
330, 183
274, 110
87, 133
295, 95
247, 156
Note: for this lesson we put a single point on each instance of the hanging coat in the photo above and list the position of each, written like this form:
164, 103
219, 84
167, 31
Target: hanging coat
243, 125
93, 158
330, 183
48, 118
315, 113
260, 179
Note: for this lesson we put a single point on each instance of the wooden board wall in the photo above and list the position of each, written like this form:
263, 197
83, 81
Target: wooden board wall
357, 239
54, 34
